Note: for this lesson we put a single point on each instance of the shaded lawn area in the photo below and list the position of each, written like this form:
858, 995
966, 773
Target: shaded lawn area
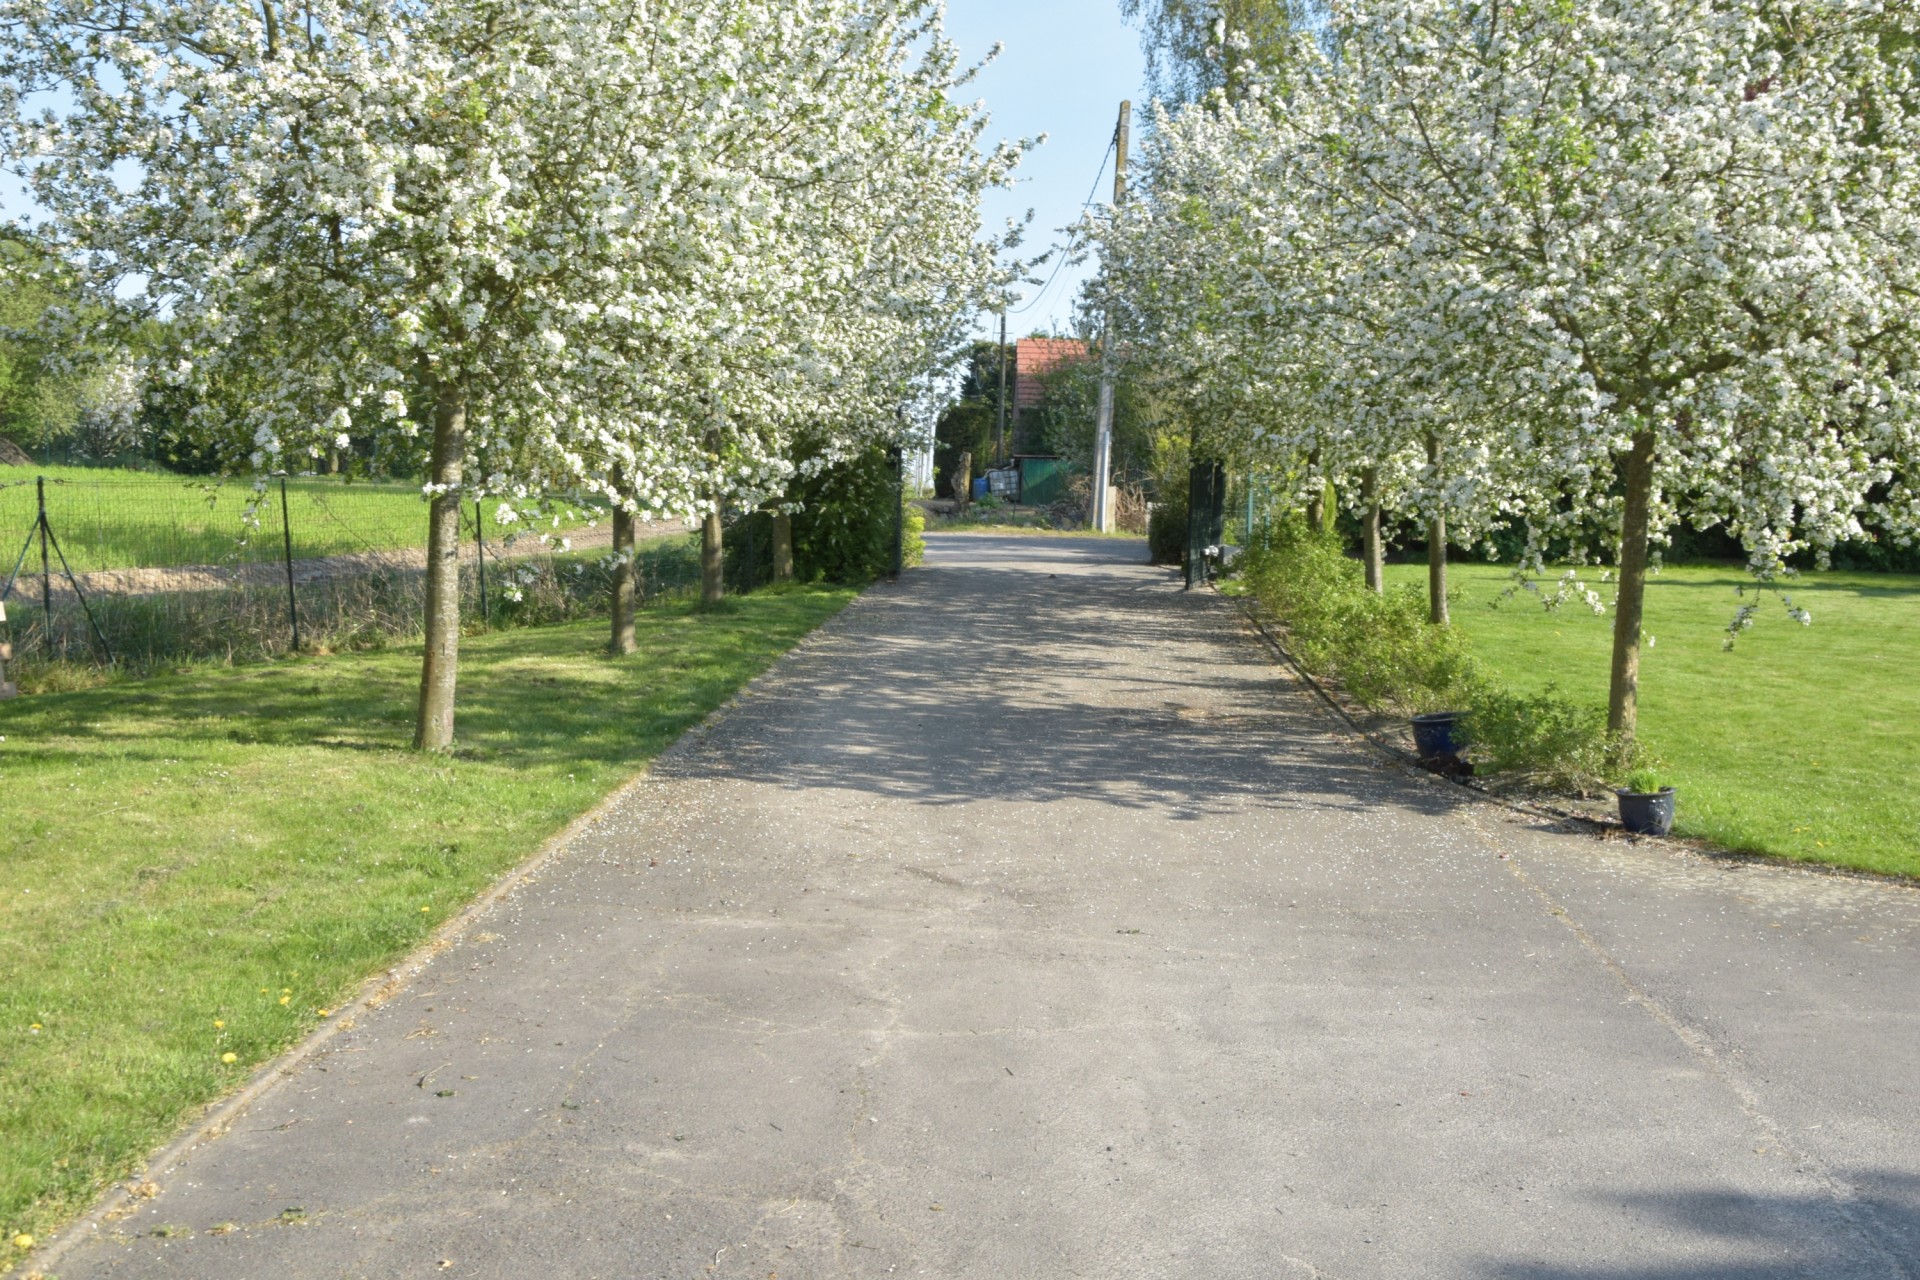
1802, 742
207, 864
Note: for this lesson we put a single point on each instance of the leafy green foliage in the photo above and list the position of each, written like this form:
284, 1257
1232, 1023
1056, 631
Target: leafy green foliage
1379, 647
1185, 60
1167, 527
1543, 739
843, 530
1064, 419
1388, 656
967, 427
971, 425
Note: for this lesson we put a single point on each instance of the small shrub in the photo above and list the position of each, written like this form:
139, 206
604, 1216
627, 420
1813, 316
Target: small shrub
843, 527
914, 518
1545, 740
1167, 528
1380, 647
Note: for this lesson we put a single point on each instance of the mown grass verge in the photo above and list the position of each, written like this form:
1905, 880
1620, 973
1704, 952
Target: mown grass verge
206, 865
118, 519
1800, 743
1803, 742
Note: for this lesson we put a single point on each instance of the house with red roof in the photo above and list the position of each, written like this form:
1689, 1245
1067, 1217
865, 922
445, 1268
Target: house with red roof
1033, 359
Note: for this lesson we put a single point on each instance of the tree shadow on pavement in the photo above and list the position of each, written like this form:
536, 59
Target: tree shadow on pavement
1873, 1234
1044, 670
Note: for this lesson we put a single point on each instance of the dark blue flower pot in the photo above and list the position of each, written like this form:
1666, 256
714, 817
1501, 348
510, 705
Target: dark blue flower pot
1440, 735
1647, 813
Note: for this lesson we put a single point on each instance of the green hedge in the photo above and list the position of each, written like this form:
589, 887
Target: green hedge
1387, 656
1167, 528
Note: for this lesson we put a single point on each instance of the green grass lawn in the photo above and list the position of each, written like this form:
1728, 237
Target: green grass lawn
117, 519
203, 865
1802, 742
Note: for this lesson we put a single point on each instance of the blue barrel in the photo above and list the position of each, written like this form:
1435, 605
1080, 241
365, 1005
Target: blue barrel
1440, 735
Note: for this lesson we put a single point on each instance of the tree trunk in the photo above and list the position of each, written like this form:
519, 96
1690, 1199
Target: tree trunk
1317, 504
625, 584
782, 547
433, 730
1623, 698
1375, 552
1436, 548
713, 579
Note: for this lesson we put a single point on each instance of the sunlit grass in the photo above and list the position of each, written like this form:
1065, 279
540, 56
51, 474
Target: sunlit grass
207, 864
113, 519
1802, 742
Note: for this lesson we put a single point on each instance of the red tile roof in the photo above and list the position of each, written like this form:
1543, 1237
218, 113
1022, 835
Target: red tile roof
1035, 357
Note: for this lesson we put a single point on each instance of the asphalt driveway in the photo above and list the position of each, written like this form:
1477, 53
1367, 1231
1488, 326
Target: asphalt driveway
1030, 922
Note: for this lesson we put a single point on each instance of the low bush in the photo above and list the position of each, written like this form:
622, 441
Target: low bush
1544, 739
1387, 656
1379, 647
843, 528
1167, 527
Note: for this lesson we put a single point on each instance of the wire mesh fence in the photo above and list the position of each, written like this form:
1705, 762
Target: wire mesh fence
137, 569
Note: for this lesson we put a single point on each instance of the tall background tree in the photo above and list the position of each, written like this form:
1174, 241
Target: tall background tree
1194, 47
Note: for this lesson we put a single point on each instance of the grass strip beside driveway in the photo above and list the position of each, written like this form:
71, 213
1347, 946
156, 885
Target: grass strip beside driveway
1803, 742
203, 866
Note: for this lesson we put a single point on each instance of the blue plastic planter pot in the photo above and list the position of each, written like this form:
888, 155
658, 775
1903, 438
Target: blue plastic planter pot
1647, 813
1440, 734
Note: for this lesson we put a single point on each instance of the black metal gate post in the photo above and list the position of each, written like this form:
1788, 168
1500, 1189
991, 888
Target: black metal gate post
46, 565
1206, 515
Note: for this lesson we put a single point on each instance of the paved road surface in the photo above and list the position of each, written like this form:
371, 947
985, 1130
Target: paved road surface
1030, 923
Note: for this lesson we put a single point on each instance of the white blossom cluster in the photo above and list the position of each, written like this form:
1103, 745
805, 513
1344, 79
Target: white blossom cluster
1488, 251
632, 247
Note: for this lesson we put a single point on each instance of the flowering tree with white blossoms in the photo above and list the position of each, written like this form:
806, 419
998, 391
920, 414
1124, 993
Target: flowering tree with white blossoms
1683, 239
543, 233
1659, 255
1287, 335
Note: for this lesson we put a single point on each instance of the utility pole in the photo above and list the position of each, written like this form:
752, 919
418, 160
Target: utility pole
1103, 425
1000, 448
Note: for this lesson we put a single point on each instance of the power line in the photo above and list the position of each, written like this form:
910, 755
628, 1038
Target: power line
1066, 252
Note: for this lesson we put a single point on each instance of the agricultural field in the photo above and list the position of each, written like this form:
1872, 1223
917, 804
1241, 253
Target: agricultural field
117, 519
1802, 742
199, 869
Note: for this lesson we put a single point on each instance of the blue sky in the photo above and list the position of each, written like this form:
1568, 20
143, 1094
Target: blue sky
1065, 69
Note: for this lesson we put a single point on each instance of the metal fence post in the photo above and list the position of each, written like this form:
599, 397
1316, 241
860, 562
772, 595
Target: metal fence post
480, 557
46, 565
286, 543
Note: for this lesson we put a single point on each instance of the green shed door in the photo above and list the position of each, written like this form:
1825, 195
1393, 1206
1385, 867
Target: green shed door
1043, 481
